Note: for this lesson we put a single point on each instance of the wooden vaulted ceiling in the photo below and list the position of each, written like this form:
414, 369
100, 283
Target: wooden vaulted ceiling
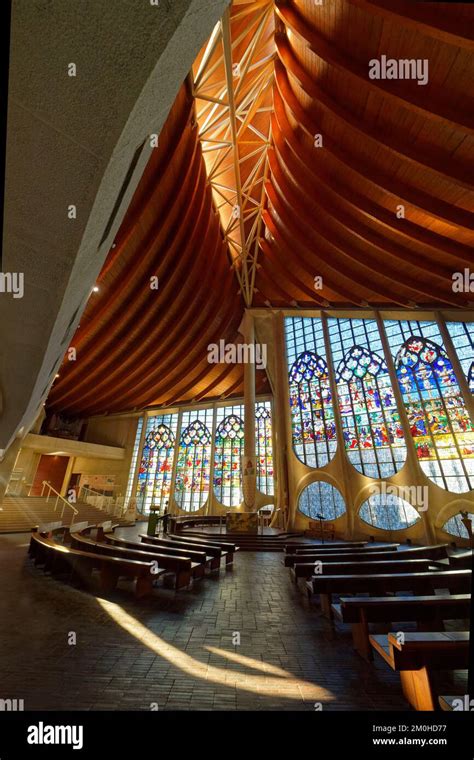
328, 211
332, 210
138, 346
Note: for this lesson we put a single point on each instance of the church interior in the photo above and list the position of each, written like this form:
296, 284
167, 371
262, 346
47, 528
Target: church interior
236, 384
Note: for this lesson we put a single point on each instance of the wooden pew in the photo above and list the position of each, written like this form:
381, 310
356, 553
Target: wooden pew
181, 565
308, 545
194, 553
183, 544
307, 569
78, 565
419, 552
212, 541
381, 549
428, 612
457, 581
461, 560
417, 656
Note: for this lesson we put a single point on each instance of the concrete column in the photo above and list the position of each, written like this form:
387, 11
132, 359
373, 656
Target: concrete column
249, 480
67, 476
347, 474
7, 465
211, 499
280, 424
133, 491
172, 506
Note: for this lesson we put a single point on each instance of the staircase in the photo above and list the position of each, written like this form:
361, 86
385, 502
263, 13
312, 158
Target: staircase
247, 542
18, 514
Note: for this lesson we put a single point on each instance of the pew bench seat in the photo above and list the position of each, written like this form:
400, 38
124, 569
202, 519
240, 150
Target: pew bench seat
424, 583
78, 565
180, 565
223, 551
428, 612
416, 655
307, 569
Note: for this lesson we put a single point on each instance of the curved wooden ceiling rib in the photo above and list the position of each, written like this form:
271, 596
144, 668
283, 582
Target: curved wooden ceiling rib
361, 172
342, 221
136, 347
419, 239
436, 110
406, 281
386, 143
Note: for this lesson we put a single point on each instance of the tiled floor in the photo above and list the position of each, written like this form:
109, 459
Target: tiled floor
178, 651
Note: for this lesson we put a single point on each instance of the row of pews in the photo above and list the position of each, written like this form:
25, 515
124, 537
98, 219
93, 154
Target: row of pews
89, 554
360, 584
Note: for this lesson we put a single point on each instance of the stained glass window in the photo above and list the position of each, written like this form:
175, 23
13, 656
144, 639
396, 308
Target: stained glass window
439, 421
462, 335
389, 512
133, 463
156, 465
229, 449
455, 527
323, 499
264, 447
373, 434
312, 415
194, 460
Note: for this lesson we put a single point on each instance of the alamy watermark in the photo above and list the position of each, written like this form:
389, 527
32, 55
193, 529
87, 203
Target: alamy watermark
463, 282
13, 283
417, 496
402, 68
240, 353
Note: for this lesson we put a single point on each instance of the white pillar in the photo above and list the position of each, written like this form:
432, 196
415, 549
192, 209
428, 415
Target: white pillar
249, 468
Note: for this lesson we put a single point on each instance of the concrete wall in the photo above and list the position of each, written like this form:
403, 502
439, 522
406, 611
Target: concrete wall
72, 140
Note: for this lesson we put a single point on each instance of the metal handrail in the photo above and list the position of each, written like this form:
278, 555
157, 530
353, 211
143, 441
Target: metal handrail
85, 492
58, 497
91, 490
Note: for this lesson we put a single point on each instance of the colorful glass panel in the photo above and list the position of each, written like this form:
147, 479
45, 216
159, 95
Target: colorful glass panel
264, 447
372, 430
229, 449
439, 422
312, 414
462, 336
193, 464
156, 465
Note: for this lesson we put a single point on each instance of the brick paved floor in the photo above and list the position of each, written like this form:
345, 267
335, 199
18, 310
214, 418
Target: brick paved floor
176, 651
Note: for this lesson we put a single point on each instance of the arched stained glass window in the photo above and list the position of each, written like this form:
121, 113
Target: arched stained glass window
264, 447
193, 465
455, 527
323, 499
388, 512
156, 465
227, 460
439, 422
373, 434
462, 336
312, 415
314, 430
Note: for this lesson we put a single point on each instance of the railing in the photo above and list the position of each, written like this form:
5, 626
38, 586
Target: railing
15, 484
59, 498
110, 504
